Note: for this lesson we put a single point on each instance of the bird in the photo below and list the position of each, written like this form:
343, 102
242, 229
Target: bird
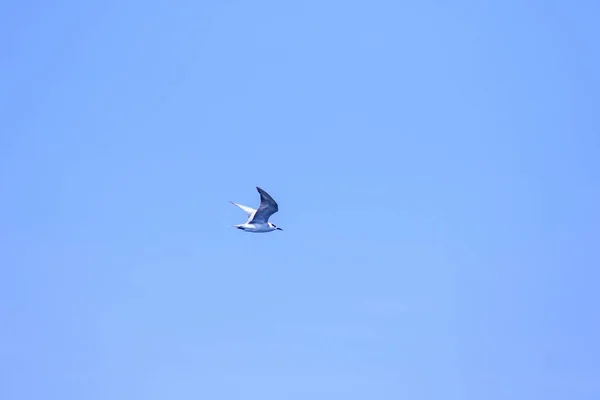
258, 220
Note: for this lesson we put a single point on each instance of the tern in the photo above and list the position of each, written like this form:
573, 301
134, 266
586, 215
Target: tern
258, 220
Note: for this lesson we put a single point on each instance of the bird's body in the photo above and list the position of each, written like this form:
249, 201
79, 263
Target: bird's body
256, 228
258, 220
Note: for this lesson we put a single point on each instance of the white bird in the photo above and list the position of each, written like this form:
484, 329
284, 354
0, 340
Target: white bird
258, 220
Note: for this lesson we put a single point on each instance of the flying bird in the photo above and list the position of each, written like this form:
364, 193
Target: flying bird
258, 220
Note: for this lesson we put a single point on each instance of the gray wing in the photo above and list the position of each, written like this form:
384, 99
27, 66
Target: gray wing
267, 207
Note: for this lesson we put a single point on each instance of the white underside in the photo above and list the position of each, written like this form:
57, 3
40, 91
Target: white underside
256, 228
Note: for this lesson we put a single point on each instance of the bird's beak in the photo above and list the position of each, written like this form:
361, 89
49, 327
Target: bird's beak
279, 229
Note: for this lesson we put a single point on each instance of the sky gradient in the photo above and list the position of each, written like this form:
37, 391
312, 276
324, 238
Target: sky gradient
436, 165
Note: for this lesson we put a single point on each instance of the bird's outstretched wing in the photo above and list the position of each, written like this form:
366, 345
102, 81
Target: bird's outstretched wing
248, 210
267, 207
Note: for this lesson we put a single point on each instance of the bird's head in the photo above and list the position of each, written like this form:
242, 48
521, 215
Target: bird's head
274, 227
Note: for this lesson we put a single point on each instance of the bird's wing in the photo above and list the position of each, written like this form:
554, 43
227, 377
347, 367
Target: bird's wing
249, 211
267, 207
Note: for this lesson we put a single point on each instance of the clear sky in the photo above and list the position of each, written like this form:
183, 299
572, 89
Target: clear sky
436, 165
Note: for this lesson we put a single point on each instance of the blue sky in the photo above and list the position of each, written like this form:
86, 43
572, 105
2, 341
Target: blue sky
436, 165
